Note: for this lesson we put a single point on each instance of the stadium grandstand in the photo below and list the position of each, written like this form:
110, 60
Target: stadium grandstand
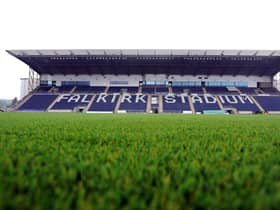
151, 81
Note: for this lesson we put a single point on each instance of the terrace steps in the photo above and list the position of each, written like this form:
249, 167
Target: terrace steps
191, 104
261, 91
239, 92
148, 109
117, 107
90, 103
106, 89
204, 90
53, 103
160, 104
51, 90
219, 103
170, 90
140, 90
73, 90
257, 104
21, 102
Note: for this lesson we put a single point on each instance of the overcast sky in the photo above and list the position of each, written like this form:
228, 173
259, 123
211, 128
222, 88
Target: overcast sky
118, 24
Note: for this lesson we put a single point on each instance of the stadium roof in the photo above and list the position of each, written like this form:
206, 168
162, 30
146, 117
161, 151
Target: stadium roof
132, 61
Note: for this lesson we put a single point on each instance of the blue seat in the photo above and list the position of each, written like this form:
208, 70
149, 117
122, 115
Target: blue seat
38, 103
269, 103
241, 103
133, 103
117, 89
104, 103
175, 104
247, 90
90, 89
205, 102
69, 102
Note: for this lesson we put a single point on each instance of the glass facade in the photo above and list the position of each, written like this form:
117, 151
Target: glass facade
119, 82
47, 83
75, 83
186, 83
226, 84
155, 83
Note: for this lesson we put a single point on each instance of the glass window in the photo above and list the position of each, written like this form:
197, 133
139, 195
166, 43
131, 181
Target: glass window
186, 83
75, 83
158, 82
119, 82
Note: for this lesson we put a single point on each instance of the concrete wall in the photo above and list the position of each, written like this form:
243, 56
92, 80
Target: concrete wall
23, 87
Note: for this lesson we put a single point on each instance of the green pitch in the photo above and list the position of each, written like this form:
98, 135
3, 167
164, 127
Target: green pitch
77, 161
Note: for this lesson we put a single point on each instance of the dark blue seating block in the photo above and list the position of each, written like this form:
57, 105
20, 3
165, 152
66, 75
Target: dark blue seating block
148, 90
241, 103
247, 90
90, 89
104, 103
134, 103
195, 90
269, 103
161, 90
217, 90
271, 91
69, 102
43, 89
178, 90
64, 89
38, 103
175, 104
205, 102
117, 89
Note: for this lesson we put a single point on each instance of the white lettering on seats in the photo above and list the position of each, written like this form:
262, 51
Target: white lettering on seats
209, 99
114, 98
244, 99
63, 97
84, 99
74, 98
169, 99
183, 99
101, 97
126, 97
221, 99
196, 98
233, 101
140, 98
